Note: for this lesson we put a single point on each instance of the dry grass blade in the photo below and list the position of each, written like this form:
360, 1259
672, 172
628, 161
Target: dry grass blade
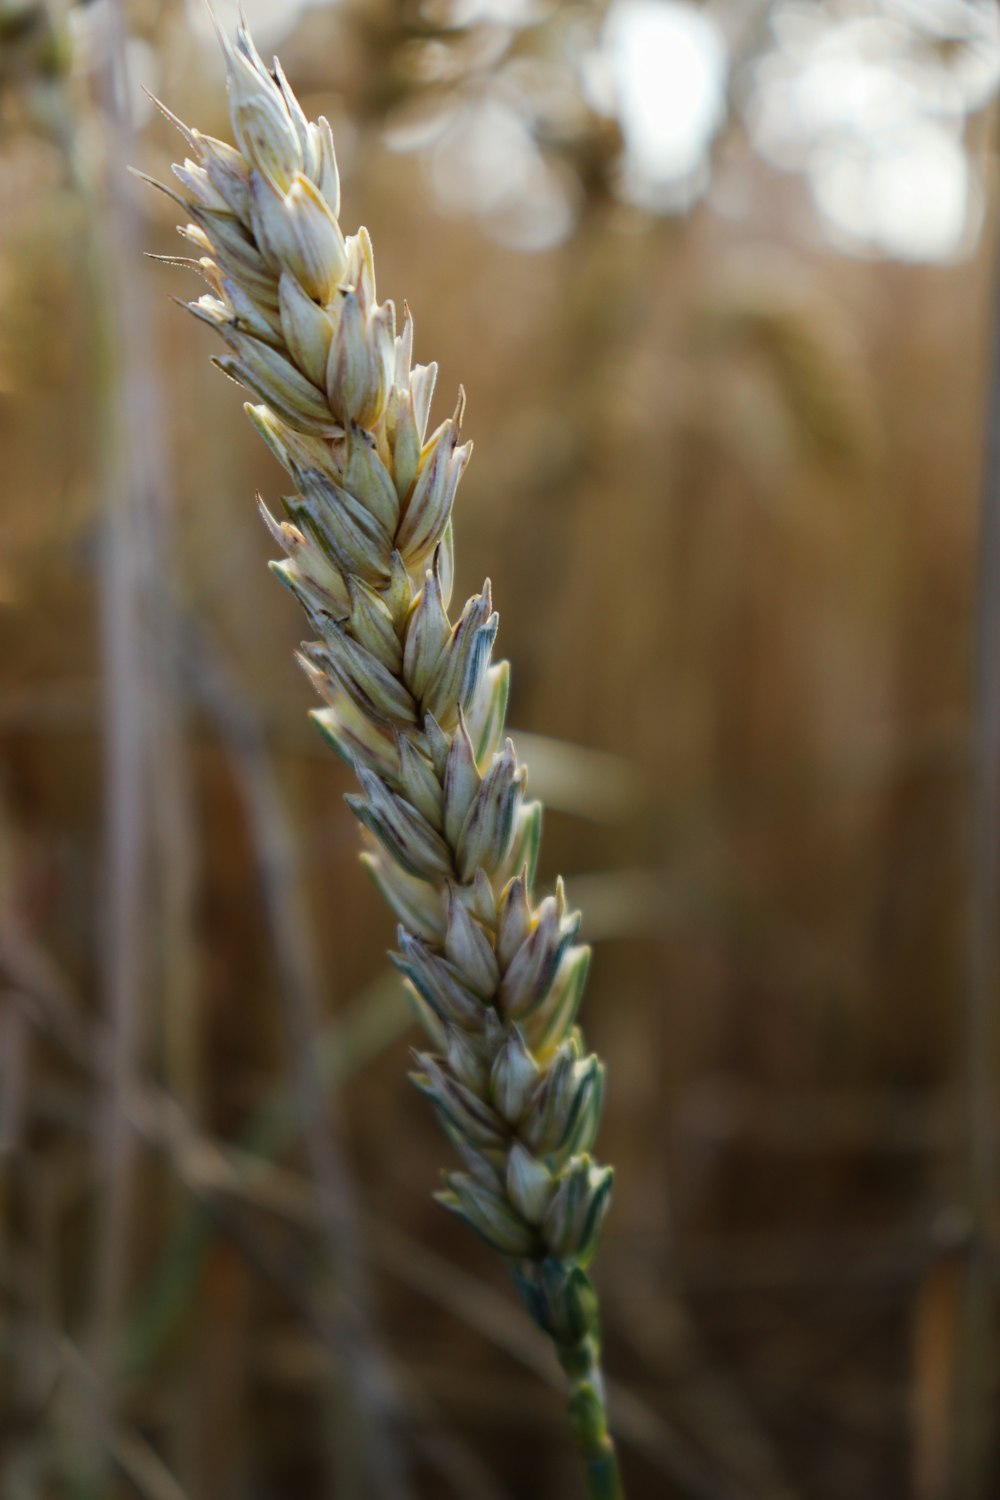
975, 1444
129, 489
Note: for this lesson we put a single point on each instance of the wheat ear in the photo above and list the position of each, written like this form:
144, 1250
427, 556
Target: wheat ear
412, 701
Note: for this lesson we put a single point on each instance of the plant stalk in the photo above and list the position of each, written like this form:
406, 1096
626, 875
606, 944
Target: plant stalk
588, 1419
413, 703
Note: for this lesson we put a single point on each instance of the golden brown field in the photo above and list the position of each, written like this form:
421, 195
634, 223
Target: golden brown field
730, 487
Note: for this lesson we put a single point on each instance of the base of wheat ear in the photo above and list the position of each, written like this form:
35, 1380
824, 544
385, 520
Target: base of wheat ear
413, 703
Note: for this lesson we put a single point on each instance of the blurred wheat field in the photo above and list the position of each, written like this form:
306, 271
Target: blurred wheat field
728, 485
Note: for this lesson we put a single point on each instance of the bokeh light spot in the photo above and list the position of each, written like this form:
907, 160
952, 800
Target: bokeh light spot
669, 67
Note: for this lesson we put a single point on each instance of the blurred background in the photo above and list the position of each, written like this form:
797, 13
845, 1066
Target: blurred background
719, 282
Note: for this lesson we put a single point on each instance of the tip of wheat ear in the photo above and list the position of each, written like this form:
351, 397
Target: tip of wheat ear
412, 698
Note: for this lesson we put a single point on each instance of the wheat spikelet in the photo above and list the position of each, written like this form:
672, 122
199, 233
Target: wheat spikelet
413, 702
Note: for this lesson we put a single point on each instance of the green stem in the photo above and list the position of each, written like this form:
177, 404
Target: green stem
562, 1300
589, 1419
